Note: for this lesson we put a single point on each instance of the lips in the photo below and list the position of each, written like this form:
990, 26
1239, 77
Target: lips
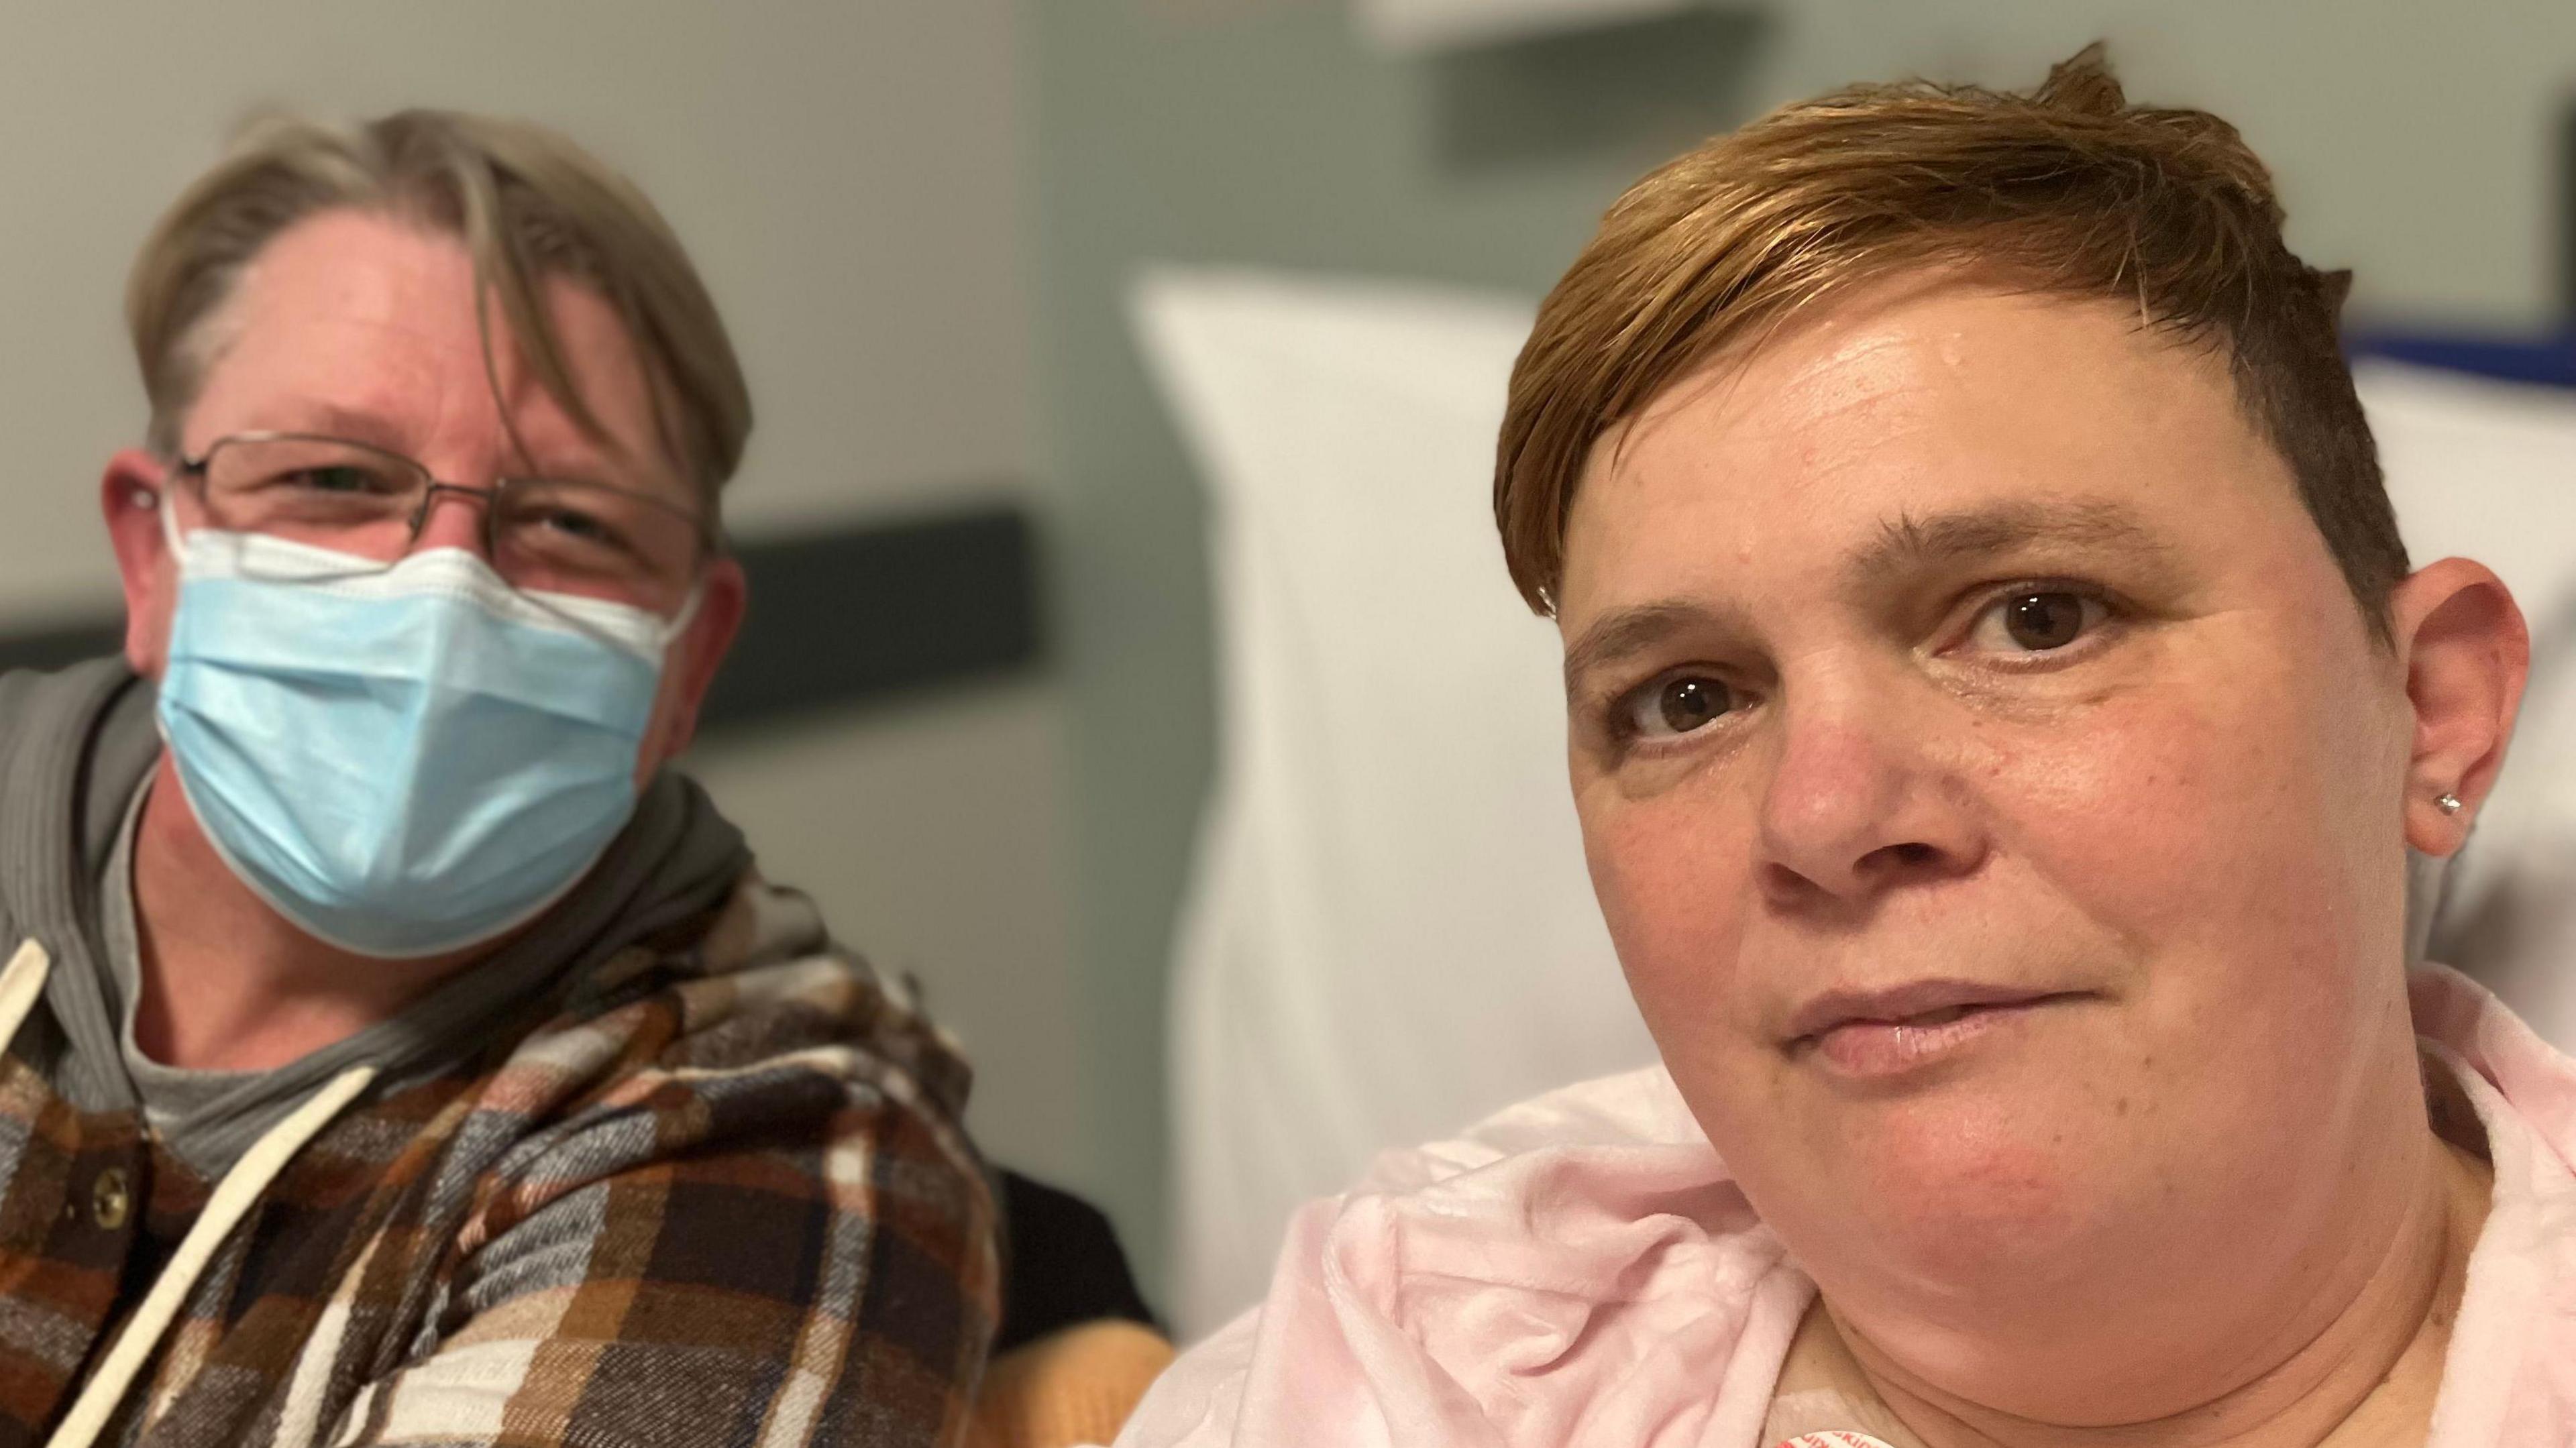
1873, 1032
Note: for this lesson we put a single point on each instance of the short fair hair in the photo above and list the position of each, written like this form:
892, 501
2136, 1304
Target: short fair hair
529, 206
2067, 190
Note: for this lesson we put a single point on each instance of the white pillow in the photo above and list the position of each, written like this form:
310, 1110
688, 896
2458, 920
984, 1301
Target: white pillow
2487, 470
1391, 933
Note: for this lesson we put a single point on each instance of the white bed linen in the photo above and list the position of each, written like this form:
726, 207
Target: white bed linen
1391, 933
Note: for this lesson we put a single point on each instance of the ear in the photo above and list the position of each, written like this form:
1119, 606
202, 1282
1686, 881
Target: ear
131, 494
2466, 652
723, 597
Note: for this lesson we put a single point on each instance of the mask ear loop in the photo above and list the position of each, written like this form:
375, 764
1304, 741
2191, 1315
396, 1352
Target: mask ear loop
219, 547
660, 632
687, 615
160, 503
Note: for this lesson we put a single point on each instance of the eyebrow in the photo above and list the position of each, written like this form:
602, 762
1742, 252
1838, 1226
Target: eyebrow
320, 418
1908, 542
1630, 631
358, 424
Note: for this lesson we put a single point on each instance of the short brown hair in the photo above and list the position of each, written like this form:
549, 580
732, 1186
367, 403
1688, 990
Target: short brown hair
2068, 189
529, 205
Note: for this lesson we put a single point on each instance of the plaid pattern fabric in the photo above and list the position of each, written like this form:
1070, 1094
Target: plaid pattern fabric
719, 1195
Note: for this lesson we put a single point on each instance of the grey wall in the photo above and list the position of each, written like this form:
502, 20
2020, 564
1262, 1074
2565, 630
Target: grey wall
2412, 140
849, 176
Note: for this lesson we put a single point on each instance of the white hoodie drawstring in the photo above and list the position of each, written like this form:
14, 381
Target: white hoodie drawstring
22, 983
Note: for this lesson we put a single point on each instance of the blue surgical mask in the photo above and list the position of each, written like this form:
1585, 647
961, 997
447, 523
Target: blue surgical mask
402, 761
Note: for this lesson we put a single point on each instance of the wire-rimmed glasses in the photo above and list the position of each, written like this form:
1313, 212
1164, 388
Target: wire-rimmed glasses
542, 535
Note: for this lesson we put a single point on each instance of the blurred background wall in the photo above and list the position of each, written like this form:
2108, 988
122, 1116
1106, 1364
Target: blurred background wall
920, 217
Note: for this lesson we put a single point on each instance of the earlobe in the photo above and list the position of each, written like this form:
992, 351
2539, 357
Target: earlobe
131, 496
2467, 651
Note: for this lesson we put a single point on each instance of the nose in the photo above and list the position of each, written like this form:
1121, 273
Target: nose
453, 518
1859, 803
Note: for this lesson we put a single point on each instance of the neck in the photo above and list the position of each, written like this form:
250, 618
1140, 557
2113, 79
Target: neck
2369, 1377
228, 984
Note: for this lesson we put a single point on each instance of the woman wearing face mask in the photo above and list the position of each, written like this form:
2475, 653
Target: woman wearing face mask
396, 1050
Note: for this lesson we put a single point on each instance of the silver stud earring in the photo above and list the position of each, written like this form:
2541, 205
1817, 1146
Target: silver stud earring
2447, 802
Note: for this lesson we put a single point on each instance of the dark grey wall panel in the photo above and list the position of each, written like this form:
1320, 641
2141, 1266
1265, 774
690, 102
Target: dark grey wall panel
871, 613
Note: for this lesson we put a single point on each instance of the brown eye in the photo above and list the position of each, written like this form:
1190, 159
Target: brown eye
2037, 621
2044, 620
1679, 705
342, 479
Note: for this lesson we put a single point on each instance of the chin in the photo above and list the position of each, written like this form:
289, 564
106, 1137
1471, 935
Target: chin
1974, 1197
1967, 1185
1972, 1232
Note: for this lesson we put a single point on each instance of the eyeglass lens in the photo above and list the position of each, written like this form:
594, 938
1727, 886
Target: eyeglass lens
584, 538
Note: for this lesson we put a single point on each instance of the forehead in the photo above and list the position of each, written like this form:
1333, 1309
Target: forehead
372, 323
1911, 400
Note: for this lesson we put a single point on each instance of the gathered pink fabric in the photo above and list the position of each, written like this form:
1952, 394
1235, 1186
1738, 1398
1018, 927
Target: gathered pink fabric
1581, 1272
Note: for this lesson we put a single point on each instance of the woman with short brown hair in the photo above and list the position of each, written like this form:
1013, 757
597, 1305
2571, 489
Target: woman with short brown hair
2001, 716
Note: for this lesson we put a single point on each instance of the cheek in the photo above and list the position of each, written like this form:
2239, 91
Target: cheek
666, 733
2189, 804
147, 634
1672, 874
2127, 813
2219, 842
661, 734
